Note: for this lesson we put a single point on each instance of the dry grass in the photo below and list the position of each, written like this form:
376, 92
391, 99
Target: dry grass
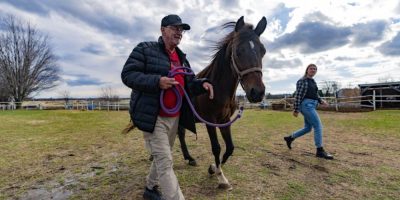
82, 155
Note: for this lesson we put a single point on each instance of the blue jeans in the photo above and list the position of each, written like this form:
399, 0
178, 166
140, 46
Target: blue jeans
311, 120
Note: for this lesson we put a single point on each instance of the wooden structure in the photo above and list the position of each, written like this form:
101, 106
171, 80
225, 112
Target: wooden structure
380, 95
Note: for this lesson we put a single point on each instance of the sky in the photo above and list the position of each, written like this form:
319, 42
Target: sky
351, 42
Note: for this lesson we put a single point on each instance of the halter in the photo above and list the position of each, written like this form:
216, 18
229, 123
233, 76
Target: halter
244, 72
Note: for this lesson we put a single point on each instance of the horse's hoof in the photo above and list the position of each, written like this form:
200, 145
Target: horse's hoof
192, 163
211, 170
151, 158
225, 186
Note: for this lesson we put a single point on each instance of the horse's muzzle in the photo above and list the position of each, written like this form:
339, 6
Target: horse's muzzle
256, 95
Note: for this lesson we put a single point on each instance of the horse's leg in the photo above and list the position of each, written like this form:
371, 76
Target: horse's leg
226, 135
215, 147
185, 151
216, 168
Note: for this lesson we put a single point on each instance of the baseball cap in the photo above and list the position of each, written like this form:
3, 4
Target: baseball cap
174, 20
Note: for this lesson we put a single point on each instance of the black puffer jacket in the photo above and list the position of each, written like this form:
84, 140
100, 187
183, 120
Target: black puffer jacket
142, 72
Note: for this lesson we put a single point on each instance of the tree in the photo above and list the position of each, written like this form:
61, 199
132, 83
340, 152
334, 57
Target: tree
65, 95
386, 79
27, 62
108, 94
329, 88
3, 92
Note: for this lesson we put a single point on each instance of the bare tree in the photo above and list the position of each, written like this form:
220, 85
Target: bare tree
27, 63
4, 96
386, 79
3, 91
108, 94
329, 88
66, 95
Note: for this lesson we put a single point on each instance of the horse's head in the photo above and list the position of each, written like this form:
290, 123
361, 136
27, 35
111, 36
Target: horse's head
246, 58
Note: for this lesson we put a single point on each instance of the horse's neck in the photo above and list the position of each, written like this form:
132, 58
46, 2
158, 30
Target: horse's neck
226, 86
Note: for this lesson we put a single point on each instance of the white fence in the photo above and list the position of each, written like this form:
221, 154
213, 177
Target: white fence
370, 101
7, 106
73, 105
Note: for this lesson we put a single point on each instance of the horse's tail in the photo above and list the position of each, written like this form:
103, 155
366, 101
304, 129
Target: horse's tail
128, 128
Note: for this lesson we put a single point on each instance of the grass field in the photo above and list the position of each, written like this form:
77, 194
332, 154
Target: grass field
82, 155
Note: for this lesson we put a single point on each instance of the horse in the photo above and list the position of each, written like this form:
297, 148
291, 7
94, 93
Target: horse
237, 59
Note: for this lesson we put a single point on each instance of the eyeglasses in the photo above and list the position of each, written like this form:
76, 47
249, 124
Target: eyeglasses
177, 28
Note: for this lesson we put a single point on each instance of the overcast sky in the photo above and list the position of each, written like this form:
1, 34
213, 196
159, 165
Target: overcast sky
352, 42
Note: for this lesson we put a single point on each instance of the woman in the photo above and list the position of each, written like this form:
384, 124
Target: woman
306, 102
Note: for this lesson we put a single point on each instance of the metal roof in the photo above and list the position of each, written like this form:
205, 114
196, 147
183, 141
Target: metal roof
378, 84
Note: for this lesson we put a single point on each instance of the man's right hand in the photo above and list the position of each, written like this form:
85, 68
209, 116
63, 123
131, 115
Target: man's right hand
166, 82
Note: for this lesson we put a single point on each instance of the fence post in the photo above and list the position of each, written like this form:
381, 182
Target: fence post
373, 99
381, 99
284, 108
336, 102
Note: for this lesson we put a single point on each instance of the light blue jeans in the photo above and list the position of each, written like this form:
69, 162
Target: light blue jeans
311, 120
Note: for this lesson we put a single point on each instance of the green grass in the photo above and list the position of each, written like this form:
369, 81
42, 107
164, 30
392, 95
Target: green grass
380, 123
293, 190
83, 154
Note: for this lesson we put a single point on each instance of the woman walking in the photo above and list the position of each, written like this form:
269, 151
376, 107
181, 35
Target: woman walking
306, 102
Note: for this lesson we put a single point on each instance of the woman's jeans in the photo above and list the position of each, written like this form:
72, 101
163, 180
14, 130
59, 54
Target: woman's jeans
311, 120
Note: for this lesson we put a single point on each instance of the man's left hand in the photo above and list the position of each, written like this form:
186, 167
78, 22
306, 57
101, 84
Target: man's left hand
207, 86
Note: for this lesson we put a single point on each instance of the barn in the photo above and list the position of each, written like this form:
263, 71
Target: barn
380, 95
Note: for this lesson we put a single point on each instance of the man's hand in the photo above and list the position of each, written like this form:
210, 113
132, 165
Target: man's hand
323, 102
166, 82
209, 88
295, 113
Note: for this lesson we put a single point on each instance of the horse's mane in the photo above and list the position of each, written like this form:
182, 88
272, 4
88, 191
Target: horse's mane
220, 58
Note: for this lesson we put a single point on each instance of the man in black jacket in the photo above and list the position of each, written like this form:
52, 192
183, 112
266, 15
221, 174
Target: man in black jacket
145, 72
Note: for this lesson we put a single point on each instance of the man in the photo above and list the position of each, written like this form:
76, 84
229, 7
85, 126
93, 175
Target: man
145, 72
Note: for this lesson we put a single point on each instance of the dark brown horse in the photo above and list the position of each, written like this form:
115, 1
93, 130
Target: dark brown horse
238, 59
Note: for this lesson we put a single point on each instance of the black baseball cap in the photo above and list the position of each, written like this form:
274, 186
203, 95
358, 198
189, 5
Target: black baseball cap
174, 20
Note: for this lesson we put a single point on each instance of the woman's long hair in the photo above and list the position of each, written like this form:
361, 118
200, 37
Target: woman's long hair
305, 73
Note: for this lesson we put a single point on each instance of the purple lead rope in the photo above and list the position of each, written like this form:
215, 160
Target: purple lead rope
178, 105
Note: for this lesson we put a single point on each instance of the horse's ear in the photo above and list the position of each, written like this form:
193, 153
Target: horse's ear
261, 26
239, 23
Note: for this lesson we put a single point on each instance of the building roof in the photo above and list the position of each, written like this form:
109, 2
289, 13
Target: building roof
379, 84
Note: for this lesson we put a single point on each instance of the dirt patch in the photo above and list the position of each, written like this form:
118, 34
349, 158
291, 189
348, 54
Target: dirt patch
36, 122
